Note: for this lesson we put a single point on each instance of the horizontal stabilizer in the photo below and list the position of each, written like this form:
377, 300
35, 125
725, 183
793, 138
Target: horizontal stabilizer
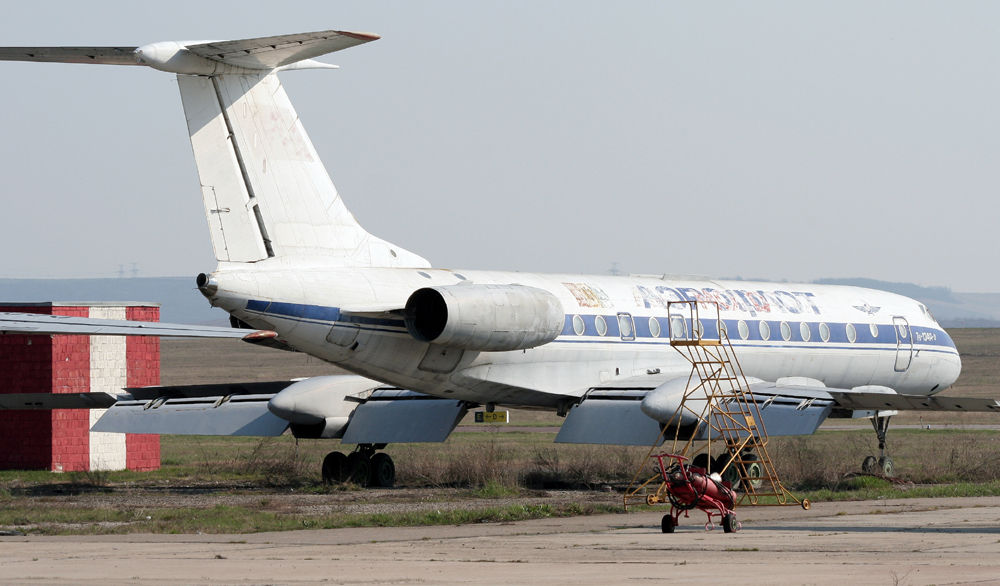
262, 54
281, 50
93, 55
36, 323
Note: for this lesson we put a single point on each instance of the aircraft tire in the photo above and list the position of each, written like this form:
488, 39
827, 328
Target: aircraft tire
667, 524
885, 466
729, 523
360, 468
335, 468
700, 461
868, 466
755, 470
731, 475
383, 471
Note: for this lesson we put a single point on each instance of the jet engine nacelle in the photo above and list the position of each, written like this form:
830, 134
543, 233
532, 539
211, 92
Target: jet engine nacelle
663, 403
484, 317
319, 407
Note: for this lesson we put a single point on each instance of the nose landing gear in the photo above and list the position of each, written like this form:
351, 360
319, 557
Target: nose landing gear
883, 464
363, 466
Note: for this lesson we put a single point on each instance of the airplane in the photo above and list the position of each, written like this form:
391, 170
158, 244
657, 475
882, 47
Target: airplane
297, 271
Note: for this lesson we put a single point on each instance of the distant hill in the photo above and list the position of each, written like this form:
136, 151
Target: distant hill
942, 294
178, 297
952, 310
181, 302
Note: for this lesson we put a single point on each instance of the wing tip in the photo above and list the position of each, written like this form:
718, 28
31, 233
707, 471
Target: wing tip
365, 37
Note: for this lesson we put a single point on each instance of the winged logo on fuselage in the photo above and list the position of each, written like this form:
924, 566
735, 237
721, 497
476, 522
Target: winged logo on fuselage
868, 308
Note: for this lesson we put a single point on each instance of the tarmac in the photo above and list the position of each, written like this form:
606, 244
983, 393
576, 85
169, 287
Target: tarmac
906, 541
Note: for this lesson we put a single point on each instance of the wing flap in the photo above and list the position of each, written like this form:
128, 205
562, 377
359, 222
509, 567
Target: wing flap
393, 416
609, 417
239, 415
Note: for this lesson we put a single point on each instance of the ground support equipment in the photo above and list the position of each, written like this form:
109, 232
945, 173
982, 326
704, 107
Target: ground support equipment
718, 398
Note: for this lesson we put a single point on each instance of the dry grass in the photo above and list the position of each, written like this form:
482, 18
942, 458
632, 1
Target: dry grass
532, 460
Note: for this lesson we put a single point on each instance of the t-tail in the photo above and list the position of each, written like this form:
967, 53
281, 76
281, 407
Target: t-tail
266, 193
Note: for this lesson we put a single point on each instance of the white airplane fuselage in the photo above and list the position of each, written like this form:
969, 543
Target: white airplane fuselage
295, 261
845, 337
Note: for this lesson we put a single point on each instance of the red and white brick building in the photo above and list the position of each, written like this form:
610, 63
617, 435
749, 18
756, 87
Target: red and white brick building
61, 440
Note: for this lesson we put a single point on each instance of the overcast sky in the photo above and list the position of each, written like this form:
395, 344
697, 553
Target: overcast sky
785, 140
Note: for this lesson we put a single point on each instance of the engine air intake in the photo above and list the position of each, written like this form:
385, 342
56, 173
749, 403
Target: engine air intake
491, 318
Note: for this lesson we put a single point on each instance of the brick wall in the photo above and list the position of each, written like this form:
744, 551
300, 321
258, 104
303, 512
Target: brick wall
26, 365
60, 440
142, 355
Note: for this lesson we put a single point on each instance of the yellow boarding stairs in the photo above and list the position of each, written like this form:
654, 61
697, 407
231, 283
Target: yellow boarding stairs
718, 395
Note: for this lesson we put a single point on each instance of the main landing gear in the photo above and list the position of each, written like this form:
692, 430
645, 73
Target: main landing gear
363, 466
882, 464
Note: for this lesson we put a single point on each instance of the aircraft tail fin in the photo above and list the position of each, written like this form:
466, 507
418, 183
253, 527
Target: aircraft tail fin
265, 191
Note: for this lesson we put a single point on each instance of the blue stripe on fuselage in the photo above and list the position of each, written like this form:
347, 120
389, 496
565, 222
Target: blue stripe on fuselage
885, 333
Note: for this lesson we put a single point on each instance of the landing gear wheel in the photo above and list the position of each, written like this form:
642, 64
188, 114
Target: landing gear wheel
730, 524
755, 470
806, 504
885, 466
701, 461
383, 471
335, 469
359, 468
732, 474
667, 524
868, 466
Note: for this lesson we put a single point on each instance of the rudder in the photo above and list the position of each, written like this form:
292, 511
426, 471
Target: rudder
266, 192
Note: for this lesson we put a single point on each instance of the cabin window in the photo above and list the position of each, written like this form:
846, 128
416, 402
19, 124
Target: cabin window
805, 331
765, 330
601, 325
744, 329
654, 327
678, 328
873, 328
697, 329
852, 334
578, 325
786, 331
902, 331
723, 329
824, 332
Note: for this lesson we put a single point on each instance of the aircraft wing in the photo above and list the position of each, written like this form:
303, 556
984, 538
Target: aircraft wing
34, 323
894, 402
612, 413
352, 408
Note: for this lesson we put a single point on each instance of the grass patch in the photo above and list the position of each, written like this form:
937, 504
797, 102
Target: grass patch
483, 465
228, 519
885, 490
495, 490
